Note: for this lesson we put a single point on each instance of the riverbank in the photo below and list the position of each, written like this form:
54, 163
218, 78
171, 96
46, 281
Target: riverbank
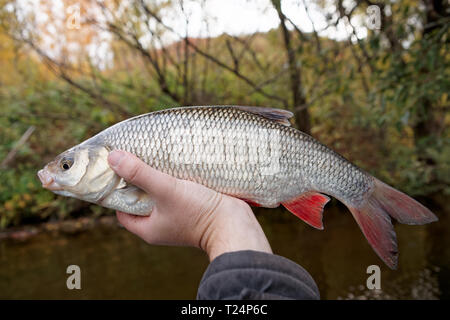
71, 226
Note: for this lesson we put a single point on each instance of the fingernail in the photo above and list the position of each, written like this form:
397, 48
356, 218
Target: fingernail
115, 157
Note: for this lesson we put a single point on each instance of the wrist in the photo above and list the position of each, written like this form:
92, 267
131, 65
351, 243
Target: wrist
233, 227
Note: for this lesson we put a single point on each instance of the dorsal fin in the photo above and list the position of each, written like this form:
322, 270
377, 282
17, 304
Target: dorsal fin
278, 115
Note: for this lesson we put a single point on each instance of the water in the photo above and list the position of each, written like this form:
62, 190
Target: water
115, 264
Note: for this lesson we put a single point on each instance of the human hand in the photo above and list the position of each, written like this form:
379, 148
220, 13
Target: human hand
187, 213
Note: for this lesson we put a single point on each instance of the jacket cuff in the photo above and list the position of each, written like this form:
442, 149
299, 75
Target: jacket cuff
255, 275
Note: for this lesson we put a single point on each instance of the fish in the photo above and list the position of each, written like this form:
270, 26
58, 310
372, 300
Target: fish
251, 153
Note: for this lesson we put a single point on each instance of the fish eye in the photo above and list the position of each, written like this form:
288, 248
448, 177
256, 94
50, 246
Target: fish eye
66, 163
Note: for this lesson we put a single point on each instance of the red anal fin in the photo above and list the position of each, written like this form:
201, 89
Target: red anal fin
250, 202
308, 207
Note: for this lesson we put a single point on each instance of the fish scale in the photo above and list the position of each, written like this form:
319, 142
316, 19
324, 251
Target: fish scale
206, 132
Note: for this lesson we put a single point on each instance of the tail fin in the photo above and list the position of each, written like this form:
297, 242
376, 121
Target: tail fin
401, 207
373, 217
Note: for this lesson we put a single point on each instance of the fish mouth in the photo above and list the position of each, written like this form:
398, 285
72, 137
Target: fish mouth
47, 180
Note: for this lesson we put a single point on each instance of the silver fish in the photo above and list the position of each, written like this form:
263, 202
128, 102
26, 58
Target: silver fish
247, 152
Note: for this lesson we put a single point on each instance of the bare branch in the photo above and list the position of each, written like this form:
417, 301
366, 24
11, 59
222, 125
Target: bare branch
221, 64
10, 156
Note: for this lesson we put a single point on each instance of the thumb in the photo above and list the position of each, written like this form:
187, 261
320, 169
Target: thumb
138, 173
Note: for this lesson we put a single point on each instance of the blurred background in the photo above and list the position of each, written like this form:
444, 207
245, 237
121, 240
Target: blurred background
368, 78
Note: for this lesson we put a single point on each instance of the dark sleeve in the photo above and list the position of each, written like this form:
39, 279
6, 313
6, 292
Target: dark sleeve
255, 275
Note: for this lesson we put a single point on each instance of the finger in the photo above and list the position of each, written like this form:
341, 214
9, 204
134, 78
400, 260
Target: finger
138, 173
134, 224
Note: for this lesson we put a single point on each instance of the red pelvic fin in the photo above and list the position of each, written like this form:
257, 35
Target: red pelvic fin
250, 202
308, 207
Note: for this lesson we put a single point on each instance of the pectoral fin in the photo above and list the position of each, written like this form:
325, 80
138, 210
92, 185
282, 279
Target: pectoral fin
129, 199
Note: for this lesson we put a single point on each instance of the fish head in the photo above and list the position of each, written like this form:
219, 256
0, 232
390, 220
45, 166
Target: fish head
81, 172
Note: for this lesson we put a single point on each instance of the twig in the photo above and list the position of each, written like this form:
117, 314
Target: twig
16, 148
